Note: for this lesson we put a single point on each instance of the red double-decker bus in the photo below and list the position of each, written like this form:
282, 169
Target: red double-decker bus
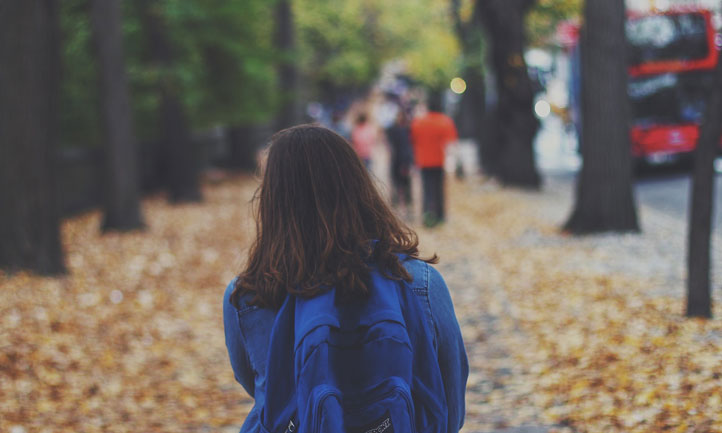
672, 56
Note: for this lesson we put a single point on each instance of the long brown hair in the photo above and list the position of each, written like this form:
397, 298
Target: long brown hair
320, 223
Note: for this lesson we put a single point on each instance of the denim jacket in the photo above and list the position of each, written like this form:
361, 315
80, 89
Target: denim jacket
248, 330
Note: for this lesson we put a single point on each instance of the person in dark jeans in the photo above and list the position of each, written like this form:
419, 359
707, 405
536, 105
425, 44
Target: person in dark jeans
431, 133
432, 179
402, 159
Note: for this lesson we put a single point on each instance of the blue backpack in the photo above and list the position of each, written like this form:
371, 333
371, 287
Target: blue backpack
365, 367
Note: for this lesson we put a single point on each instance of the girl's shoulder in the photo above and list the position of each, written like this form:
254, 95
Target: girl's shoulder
420, 272
426, 278
423, 276
243, 301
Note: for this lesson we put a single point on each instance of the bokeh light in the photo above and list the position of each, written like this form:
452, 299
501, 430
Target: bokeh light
542, 109
458, 85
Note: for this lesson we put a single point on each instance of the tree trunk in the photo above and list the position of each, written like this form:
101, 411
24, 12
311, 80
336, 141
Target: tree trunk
284, 38
473, 101
122, 190
604, 197
180, 164
473, 105
29, 78
699, 302
180, 155
243, 146
512, 159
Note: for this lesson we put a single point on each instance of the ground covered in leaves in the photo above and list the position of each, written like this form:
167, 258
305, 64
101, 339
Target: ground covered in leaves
579, 340
131, 339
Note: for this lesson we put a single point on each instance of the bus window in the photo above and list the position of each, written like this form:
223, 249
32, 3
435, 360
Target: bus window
669, 99
668, 37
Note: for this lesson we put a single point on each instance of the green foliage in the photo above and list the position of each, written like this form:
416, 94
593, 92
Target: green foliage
544, 17
79, 114
338, 41
223, 65
345, 43
433, 56
224, 61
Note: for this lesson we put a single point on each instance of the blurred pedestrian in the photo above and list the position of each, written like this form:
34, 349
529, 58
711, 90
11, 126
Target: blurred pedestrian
334, 288
386, 111
339, 126
363, 137
431, 133
402, 160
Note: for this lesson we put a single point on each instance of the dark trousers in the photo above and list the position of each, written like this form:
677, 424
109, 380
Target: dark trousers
401, 181
401, 194
432, 182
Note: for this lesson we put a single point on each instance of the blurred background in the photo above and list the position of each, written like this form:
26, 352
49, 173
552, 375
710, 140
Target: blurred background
582, 236
204, 85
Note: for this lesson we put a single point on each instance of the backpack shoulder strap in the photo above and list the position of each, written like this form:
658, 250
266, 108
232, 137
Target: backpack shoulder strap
279, 410
322, 310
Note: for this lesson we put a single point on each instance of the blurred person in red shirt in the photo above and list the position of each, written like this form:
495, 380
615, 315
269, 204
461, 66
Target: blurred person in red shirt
363, 138
430, 134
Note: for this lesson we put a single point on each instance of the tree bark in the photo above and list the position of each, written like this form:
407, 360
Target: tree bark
29, 78
470, 119
284, 38
604, 197
180, 167
122, 181
511, 156
243, 147
699, 301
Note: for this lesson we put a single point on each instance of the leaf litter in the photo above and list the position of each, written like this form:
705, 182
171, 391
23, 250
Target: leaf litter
132, 338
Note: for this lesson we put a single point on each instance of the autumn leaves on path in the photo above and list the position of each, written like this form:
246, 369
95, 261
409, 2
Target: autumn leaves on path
558, 339
559, 335
132, 339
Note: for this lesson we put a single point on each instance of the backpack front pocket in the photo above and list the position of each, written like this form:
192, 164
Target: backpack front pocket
386, 408
324, 413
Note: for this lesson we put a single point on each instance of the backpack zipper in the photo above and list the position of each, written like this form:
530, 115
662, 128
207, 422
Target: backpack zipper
317, 421
409, 405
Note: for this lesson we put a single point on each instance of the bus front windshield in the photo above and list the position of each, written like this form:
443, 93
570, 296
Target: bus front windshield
672, 37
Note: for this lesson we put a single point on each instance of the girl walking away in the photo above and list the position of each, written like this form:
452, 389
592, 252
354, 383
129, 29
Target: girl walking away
336, 324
